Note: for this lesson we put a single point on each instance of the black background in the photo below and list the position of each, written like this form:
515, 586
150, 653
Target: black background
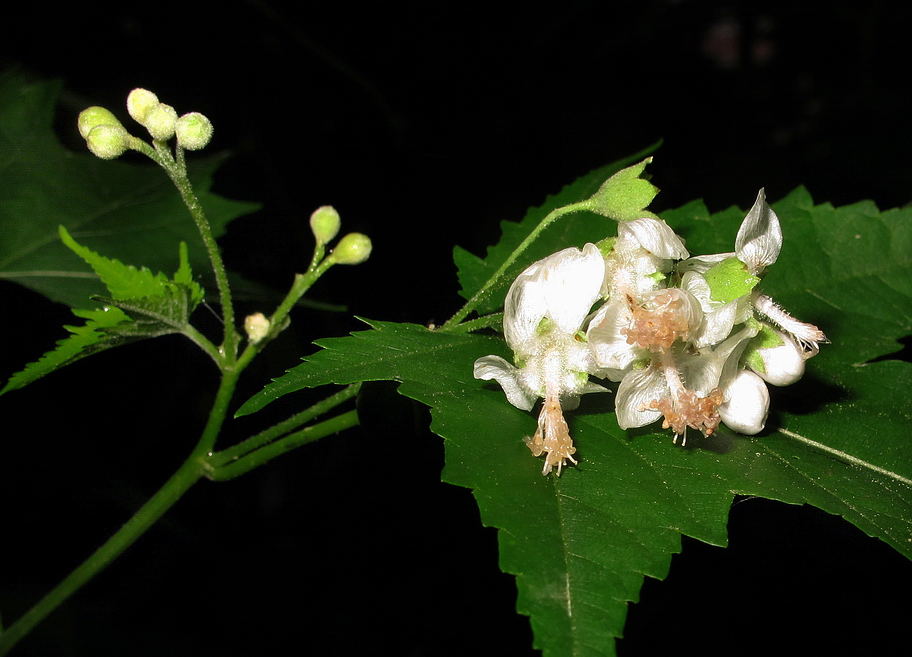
424, 125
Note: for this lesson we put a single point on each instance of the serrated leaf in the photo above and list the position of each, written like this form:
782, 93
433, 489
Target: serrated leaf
95, 336
575, 229
163, 307
122, 281
581, 544
169, 311
129, 212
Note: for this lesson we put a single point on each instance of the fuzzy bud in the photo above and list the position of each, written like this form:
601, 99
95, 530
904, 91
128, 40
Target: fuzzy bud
256, 326
161, 121
95, 116
353, 249
139, 103
193, 131
108, 141
324, 223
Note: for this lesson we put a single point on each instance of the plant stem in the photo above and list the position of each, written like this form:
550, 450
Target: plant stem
150, 512
482, 293
181, 481
235, 452
289, 442
177, 172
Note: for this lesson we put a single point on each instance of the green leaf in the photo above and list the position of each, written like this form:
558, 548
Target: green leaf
575, 229
96, 335
122, 281
144, 305
127, 211
581, 544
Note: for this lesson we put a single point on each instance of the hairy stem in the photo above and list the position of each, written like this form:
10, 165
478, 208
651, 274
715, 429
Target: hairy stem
268, 452
482, 293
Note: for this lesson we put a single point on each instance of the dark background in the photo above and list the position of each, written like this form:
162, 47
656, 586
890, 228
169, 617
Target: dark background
424, 125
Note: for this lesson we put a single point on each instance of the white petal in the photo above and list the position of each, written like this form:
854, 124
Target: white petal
746, 403
636, 392
655, 236
701, 264
760, 236
495, 367
717, 325
608, 344
561, 287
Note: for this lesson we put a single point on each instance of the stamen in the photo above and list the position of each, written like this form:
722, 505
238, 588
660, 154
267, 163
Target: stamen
806, 335
657, 329
552, 436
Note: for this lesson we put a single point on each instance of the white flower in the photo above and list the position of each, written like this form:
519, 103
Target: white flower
685, 385
545, 313
644, 251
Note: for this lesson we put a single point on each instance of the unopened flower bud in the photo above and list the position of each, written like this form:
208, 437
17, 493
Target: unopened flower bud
140, 103
193, 131
747, 404
108, 141
775, 357
353, 249
256, 326
160, 122
95, 116
324, 223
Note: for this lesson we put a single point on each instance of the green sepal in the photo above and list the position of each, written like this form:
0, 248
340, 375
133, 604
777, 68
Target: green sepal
545, 324
625, 195
606, 246
767, 338
729, 280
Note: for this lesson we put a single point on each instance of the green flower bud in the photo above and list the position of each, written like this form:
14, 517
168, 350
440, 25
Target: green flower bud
160, 122
193, 131
256, 326
139, 103
108, 141
95, 116
324, 223
353, 249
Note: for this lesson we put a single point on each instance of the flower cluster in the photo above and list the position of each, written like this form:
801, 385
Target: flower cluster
690, 340
107, 138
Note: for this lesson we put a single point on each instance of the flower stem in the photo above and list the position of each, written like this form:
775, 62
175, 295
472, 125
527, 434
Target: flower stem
177, 172
235, 452
268, 452
482, 293
150, 512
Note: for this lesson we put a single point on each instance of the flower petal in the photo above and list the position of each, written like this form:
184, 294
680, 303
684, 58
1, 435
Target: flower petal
655, 236
561, 287
495, 367
760, 236
636, 392
746, 403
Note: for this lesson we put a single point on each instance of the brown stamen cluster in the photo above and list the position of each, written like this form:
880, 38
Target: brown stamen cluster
658, 328
689, 410
552, 436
